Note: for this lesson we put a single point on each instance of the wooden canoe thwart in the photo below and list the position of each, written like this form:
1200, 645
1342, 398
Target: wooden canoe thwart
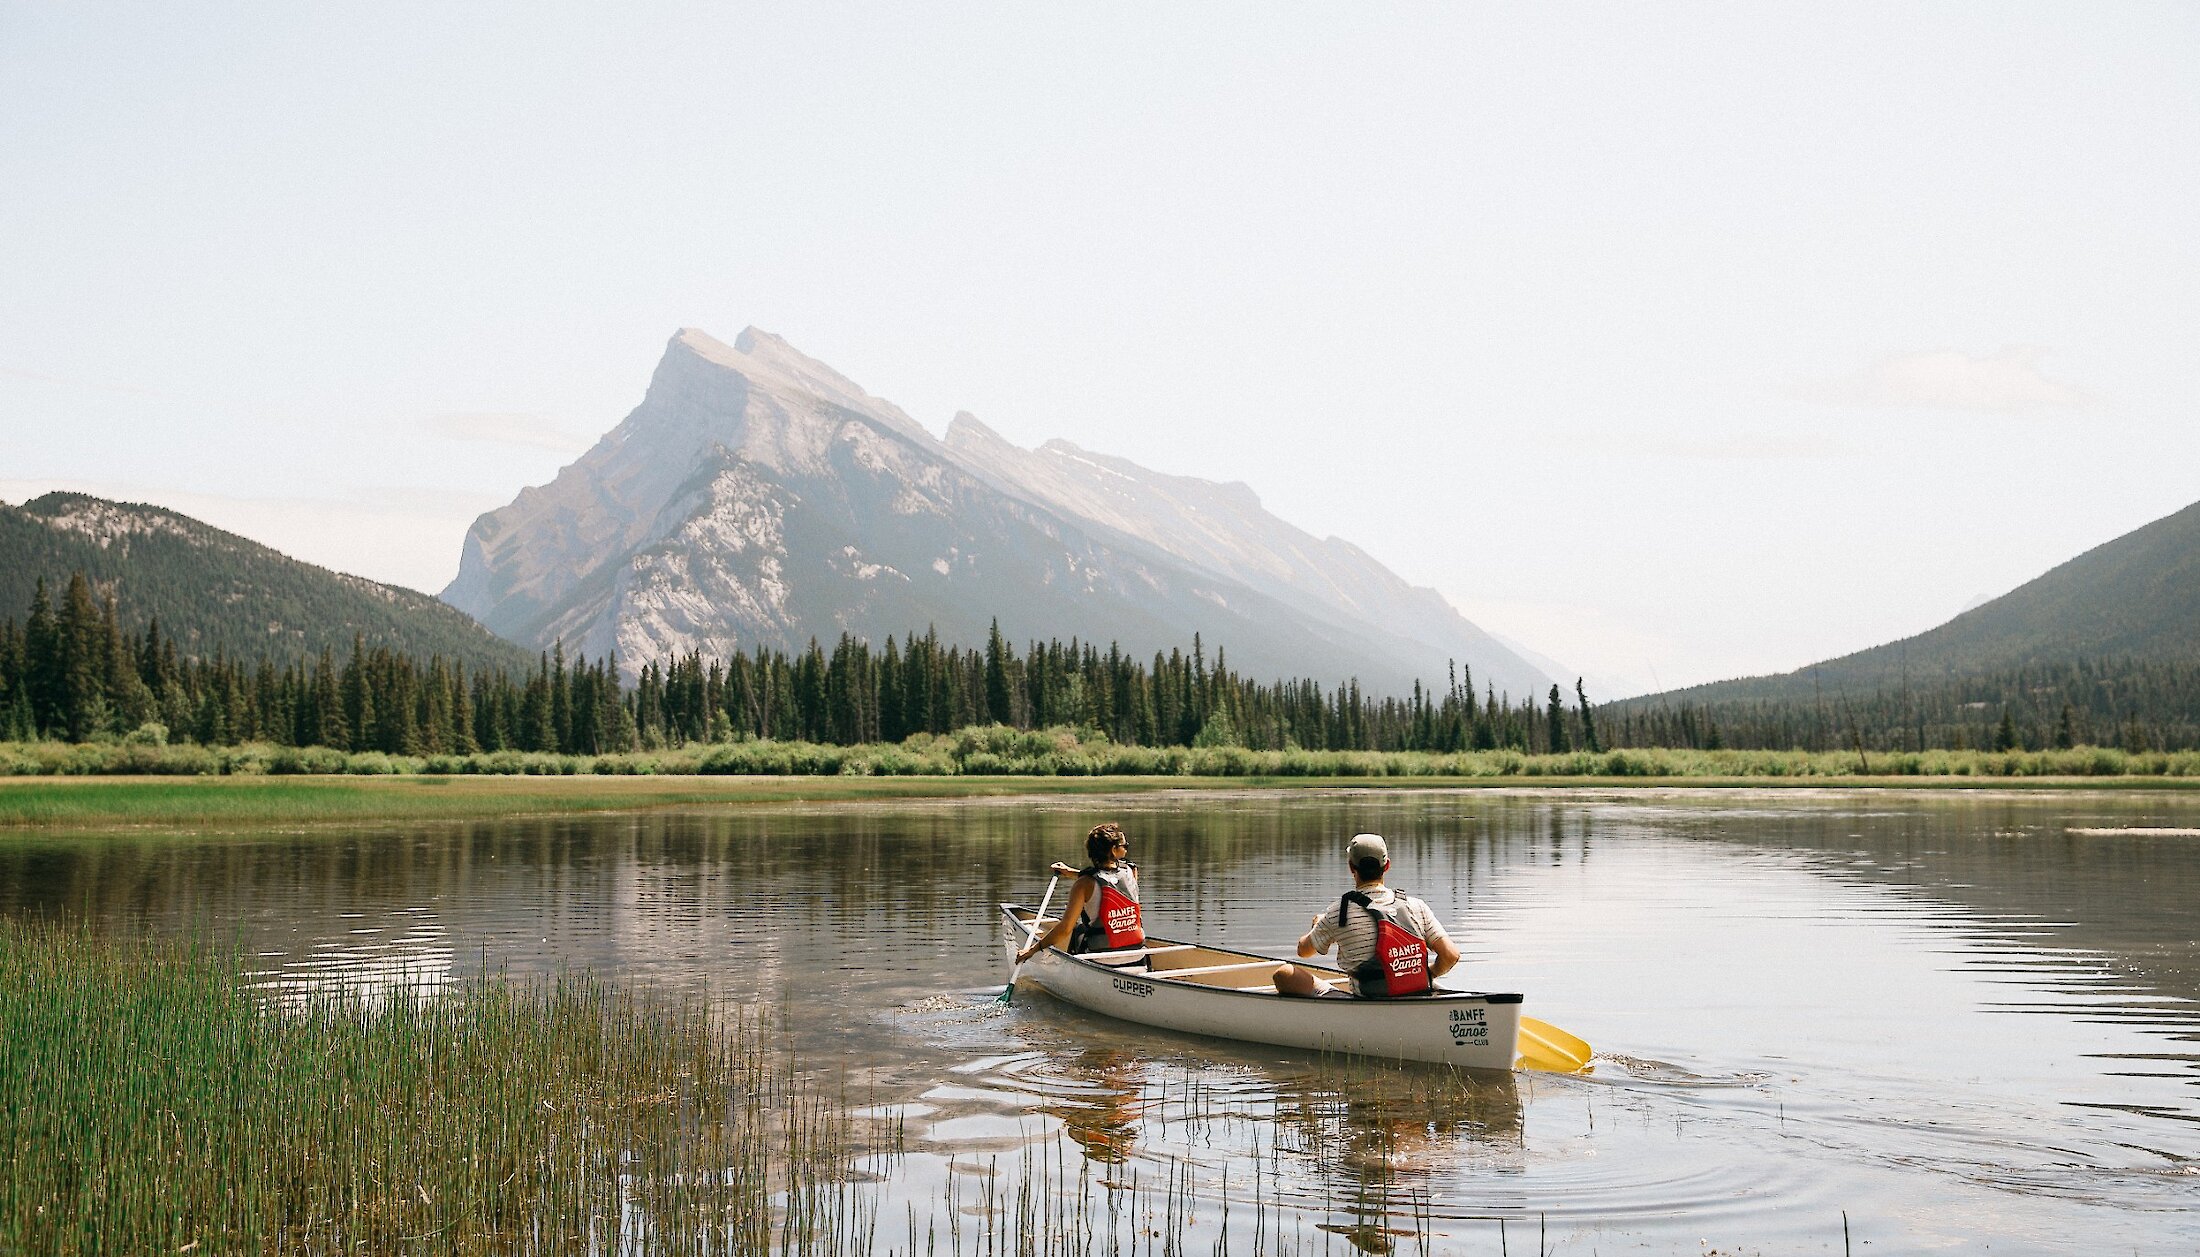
1231, 995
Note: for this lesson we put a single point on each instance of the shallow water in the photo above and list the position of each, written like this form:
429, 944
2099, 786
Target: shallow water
1965, 1022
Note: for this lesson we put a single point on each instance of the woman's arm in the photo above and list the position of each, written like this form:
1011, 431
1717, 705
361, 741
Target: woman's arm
1059, 934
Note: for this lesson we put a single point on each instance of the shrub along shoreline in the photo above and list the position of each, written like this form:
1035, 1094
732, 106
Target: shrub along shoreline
90, 786
998, 750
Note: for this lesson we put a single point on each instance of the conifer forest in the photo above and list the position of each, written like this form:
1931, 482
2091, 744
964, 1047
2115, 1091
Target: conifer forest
70, 670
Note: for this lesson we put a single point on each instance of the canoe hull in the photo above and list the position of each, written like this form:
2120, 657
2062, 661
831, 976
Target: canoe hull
1469, 1030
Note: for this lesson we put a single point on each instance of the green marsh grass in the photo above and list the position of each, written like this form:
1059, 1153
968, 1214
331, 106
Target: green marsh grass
109, 802
90, 801
158, 1101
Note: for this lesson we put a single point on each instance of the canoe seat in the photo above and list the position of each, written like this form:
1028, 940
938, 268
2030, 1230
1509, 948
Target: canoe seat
1244, 973
1135, 952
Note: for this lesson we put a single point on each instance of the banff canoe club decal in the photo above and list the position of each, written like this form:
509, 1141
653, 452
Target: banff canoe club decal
1404, 959
1132, 986
1470, 1027
1119, 919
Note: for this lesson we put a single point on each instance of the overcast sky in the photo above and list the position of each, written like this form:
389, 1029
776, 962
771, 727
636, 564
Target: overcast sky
1673, 342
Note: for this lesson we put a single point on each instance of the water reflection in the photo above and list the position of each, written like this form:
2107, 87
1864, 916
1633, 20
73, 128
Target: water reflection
1816, 1002
1102, 1115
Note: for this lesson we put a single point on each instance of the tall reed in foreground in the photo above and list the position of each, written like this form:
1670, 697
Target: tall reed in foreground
157, 1102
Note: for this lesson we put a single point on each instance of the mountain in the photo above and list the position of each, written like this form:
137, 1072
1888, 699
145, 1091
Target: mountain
2135, 599
1222, 530
215, 592
756, 496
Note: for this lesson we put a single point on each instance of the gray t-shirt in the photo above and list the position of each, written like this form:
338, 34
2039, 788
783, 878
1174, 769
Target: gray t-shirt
1354, 938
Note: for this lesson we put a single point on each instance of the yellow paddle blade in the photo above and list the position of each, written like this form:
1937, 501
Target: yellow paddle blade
1546, 1047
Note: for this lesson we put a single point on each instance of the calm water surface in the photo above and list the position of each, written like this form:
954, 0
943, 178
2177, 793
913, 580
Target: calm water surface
1971, 1023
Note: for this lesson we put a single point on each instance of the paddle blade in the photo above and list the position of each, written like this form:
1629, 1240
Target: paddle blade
1008, 993
1546, 1047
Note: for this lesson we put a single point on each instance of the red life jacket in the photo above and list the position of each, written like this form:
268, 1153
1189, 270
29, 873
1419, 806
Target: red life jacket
1111, 924
1401, 961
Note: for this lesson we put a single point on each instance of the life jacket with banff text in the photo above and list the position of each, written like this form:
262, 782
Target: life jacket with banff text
1400, 964
1111, 920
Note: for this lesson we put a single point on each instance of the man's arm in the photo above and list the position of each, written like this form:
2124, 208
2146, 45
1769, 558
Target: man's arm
1317, 939
1439, 943
1447, 955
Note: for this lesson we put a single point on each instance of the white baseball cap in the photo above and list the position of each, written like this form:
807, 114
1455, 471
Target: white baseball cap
1365, 845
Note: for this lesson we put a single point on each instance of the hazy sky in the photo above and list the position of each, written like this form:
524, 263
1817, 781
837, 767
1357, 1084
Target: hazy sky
1674, 342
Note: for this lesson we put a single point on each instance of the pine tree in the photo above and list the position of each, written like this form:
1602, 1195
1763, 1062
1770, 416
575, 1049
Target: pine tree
82, 662
1555, 717
1588, 719
538, 729
42, 663
331, 727
561, 699
997, 707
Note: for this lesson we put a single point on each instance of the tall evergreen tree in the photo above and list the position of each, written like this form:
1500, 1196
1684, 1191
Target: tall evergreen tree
997, 708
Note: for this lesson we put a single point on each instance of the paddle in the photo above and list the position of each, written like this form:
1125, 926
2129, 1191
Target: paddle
1031, 931
1546, 1047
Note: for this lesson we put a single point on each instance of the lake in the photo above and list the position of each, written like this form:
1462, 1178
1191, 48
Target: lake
1951, 1022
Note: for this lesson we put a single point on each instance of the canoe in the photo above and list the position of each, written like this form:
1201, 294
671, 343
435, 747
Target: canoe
1195, 989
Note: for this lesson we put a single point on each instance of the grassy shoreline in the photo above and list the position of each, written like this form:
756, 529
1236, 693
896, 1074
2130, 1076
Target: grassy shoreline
49, 785
106, 803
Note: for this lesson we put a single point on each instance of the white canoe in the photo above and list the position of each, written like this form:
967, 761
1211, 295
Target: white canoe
1231, 995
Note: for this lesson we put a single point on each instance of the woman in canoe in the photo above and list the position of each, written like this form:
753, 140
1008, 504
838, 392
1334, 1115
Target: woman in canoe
1103, 914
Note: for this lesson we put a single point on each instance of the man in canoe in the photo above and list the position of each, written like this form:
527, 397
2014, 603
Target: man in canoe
1103, 914
1388, 944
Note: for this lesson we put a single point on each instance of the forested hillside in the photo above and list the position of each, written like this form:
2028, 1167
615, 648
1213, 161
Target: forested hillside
215, 593
72, 670
2134, 599
2135, 704
2102, 650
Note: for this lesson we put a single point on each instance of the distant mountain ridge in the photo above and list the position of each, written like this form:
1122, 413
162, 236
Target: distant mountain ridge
216, 592
2136, 599
756, 496
1222, 529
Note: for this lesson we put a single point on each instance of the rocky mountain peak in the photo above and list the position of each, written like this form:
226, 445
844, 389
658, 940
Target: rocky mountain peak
966, 430
104, 522
758, 495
